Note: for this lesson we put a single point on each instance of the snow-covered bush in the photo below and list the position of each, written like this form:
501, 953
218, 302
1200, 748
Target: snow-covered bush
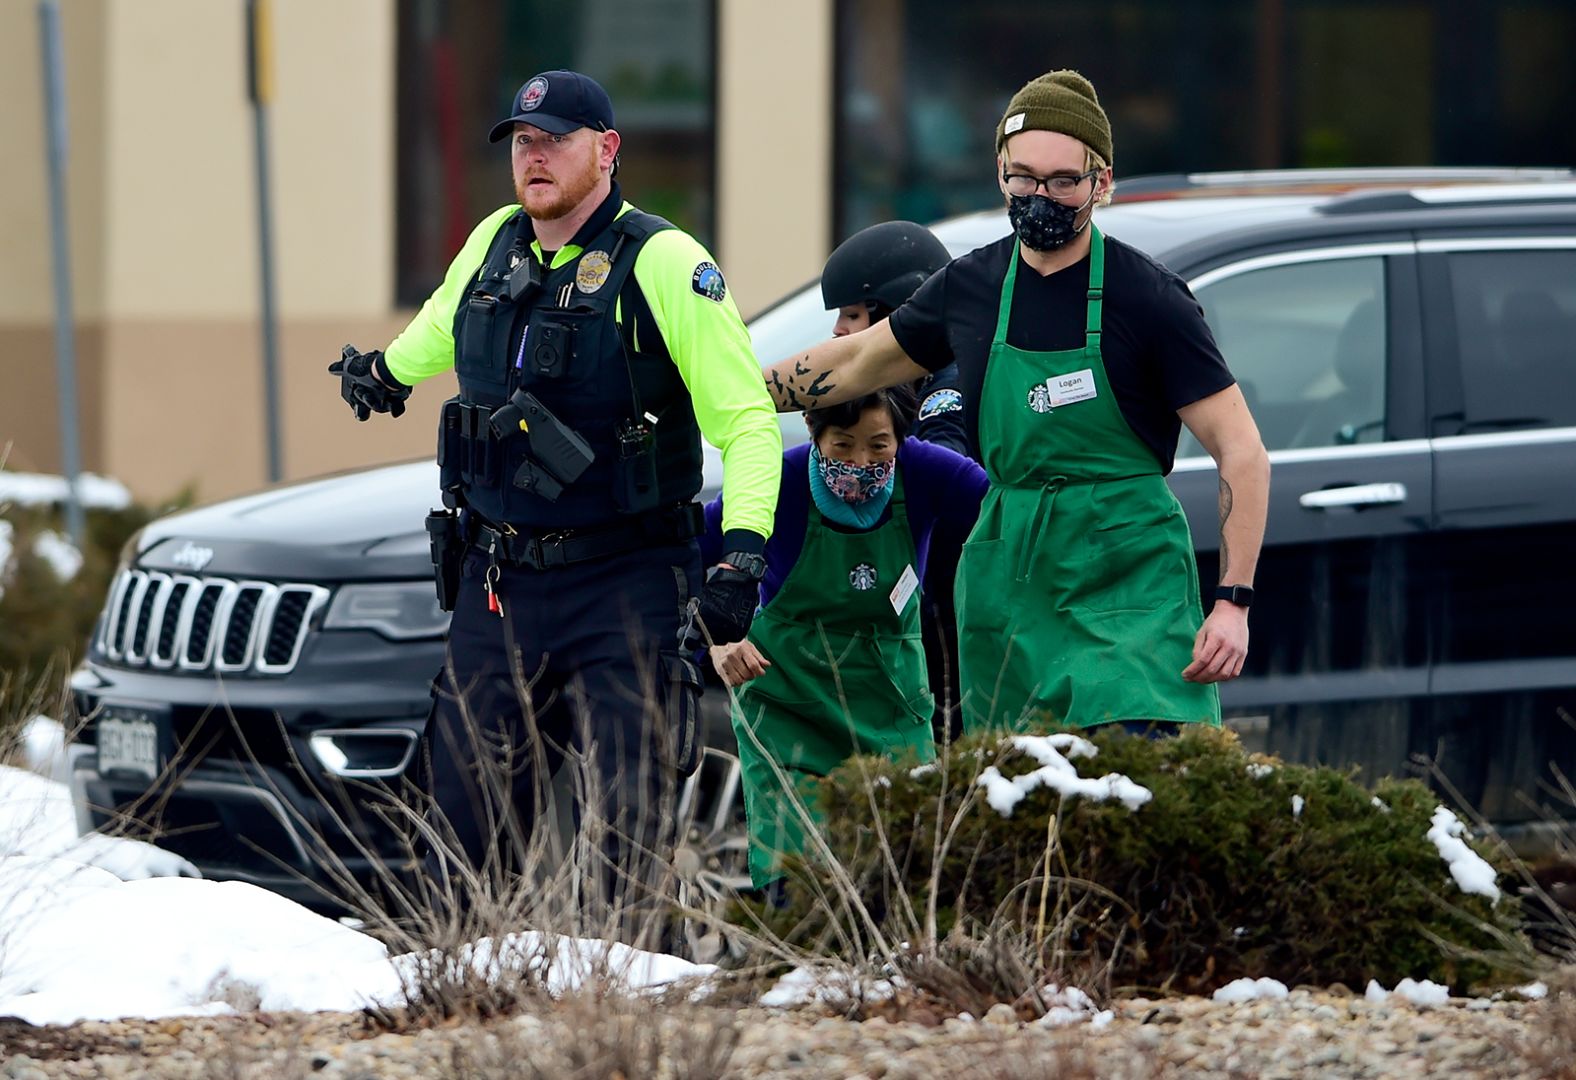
51, 593
1175, 863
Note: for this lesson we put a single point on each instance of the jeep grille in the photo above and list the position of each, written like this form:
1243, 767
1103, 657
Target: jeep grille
207, 624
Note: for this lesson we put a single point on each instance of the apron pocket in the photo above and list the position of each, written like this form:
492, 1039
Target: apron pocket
1133, 567
681, 690
983, 571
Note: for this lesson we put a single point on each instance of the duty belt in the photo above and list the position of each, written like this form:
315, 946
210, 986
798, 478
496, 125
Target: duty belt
563, 547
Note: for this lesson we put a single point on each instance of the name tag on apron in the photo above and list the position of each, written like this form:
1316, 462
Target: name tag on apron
906, 584
1074, 386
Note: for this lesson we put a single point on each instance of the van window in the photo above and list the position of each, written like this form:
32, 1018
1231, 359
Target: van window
1306, 342
1516, 330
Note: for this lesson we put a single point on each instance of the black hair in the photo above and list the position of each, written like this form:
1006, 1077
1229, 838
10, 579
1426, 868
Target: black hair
899, 401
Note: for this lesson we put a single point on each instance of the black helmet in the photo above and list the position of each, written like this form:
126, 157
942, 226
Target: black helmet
883, 265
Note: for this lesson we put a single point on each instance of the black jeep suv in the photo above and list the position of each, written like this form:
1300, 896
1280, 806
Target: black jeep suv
1406, 339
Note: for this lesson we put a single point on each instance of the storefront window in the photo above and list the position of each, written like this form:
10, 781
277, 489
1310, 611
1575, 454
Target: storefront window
1221, 84
458, 67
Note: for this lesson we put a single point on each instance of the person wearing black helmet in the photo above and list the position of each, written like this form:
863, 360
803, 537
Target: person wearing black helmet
872, 274
866, 278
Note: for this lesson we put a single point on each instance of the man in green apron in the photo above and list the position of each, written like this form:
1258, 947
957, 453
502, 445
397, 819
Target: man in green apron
1079, 358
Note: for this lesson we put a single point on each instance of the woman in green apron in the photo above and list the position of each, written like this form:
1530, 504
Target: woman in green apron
834, 665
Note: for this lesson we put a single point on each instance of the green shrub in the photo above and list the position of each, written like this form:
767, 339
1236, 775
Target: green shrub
1213, 879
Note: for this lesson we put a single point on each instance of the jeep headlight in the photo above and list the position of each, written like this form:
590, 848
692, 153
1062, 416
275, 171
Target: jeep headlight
402, 611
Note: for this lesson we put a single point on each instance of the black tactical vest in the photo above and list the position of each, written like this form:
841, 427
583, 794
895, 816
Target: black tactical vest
554, 334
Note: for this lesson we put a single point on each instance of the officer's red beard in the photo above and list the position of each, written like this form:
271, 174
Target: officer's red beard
551, 201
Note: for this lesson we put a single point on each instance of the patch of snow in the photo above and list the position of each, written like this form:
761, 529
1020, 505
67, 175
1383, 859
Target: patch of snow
1533, 991
39, 489
59, 552
804, 985
922, 770
1297, 804
1379, 803
883, 781
1479, 1004
564, 964
6, 529
1471, 873
1258, 771
1072, 1006
1057, 772
44, 747
1422, 993
38, 820
1241, 990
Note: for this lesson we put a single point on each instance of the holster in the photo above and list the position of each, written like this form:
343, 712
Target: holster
448, 549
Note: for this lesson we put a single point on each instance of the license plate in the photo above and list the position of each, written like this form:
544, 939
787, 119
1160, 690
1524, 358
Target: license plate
128, 742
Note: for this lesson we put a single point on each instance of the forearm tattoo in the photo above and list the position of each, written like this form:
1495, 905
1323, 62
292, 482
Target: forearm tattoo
798, 391
1225, 512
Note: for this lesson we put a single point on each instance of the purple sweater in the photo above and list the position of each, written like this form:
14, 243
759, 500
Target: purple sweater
941, 489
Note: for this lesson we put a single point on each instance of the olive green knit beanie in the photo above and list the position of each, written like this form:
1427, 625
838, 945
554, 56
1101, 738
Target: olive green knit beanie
1062, 101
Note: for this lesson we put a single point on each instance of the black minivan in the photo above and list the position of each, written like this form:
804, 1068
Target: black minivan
1406, 339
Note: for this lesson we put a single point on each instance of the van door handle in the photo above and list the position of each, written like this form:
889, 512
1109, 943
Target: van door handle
1358, 495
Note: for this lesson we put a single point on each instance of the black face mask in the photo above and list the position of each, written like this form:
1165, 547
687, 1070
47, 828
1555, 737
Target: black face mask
1042, 224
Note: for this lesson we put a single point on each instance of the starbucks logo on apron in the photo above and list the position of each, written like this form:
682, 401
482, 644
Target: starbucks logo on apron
862, 577
1040, 398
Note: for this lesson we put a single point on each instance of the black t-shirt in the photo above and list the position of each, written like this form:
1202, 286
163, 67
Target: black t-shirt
1158, 352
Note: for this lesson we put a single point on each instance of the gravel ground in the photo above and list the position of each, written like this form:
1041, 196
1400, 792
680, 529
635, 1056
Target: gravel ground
1311, 1033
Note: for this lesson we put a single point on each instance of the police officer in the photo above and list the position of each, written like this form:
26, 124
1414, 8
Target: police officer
866, 278
1080, 358
594, 345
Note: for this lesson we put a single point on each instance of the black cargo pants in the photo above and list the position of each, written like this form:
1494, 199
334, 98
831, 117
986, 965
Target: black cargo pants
584, 666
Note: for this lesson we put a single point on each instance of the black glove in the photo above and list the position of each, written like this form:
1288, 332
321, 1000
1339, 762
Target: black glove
362, 390
729, 599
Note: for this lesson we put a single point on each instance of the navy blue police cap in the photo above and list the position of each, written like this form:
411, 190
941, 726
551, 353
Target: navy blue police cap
558, 102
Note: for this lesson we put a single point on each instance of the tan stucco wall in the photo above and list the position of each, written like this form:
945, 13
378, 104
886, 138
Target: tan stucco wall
26, 265
182, 211
774, 144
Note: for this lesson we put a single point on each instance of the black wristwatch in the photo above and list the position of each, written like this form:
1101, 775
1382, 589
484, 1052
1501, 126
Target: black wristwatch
1241, 595
753, 565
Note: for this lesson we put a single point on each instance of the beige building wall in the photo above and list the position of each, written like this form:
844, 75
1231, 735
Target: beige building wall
164, 228
774, 144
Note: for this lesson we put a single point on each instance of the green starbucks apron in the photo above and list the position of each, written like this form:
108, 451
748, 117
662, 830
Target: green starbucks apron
1078, 595
847, 675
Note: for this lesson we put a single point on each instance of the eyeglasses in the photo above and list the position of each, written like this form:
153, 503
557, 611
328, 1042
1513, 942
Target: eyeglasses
1057, 187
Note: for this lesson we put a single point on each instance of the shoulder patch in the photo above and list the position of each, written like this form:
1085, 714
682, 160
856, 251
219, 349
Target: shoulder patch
942, 401
707, 281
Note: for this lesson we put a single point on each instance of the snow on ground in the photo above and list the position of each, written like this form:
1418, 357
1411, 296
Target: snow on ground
1072, 1006
1472, 874
44, 747
1250, 990
38, 489
1297, 803
1423, 993
99, 928
1057, 771
807, 985
1258, 770
59, 552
